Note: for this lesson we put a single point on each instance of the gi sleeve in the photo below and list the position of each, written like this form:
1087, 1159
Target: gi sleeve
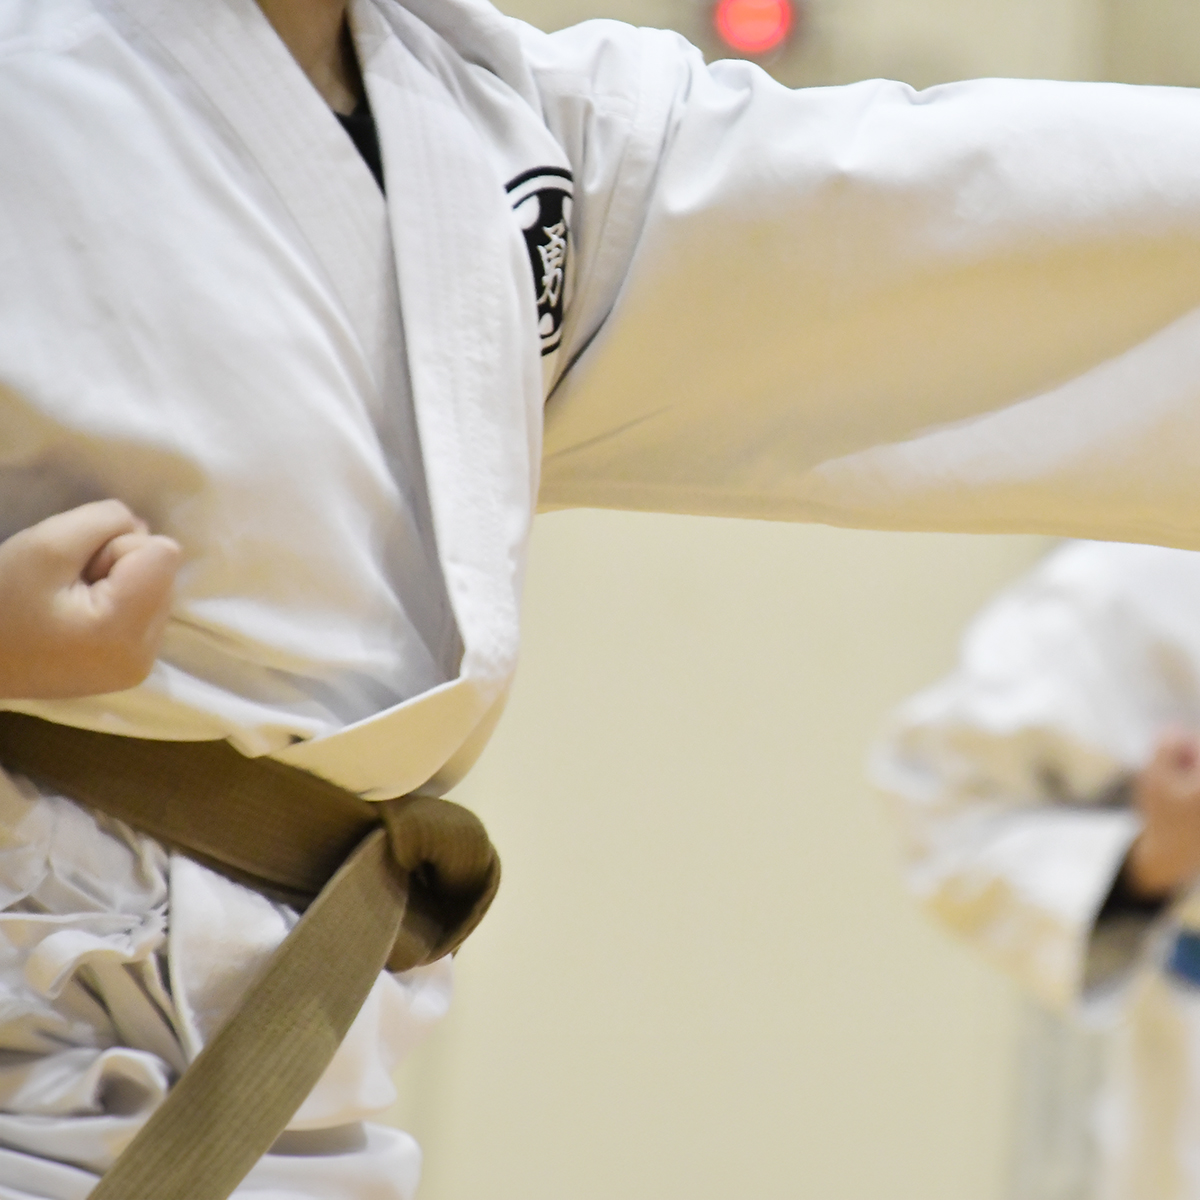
1006, 777
1122, 936
969, 308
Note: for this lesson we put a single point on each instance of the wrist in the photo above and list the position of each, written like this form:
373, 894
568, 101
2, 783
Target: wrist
1152, 874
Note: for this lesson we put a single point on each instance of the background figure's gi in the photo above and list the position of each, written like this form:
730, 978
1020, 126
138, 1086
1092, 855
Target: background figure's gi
1004, 776
972, 308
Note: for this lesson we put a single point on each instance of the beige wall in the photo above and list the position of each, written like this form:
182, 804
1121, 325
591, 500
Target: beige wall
920, 41
931, 41
1152, 41
702, 978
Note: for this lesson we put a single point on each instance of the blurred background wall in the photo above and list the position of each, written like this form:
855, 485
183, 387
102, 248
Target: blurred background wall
933, 41
702, 978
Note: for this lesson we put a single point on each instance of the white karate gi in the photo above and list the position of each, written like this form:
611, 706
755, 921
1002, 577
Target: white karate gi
1002, 776
969, 308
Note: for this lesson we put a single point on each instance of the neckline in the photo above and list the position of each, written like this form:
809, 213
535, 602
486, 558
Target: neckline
361, 129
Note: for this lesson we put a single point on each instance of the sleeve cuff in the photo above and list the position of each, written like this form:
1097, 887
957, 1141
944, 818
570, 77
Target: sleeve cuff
1127, 933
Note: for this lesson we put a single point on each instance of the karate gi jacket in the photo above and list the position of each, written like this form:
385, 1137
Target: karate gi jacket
605, 273
1006, 778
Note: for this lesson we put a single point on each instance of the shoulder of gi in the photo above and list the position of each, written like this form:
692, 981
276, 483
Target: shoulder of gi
577, 123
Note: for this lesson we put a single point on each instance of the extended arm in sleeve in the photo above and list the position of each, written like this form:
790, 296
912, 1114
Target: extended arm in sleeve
969, 308
1021, 878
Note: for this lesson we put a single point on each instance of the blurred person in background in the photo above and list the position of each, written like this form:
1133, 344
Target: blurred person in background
1049, 792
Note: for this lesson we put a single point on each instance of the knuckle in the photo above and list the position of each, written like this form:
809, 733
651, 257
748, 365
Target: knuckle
115, 510
171, 553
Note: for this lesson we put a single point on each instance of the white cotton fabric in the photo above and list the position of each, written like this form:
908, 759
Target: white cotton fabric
117, 961
1002, 770
968, 308
1000, 773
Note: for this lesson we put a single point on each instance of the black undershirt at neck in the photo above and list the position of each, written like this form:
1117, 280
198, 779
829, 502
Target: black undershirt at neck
360, 125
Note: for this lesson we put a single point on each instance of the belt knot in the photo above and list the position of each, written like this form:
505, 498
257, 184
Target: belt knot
451, 872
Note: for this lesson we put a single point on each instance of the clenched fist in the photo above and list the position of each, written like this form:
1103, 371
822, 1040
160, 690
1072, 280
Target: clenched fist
84, 599
1166, 792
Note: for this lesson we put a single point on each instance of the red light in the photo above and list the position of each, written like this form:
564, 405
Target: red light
754, 26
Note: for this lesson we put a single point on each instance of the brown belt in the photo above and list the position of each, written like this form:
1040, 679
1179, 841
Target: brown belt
396, 884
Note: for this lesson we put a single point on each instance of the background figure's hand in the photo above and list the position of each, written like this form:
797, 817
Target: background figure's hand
1166, 792
84, 599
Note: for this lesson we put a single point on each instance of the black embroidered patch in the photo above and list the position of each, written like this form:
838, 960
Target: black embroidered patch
542, 199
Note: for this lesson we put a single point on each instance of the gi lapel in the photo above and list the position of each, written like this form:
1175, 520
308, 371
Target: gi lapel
470, 327
230, 54
469, 324
470, 321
